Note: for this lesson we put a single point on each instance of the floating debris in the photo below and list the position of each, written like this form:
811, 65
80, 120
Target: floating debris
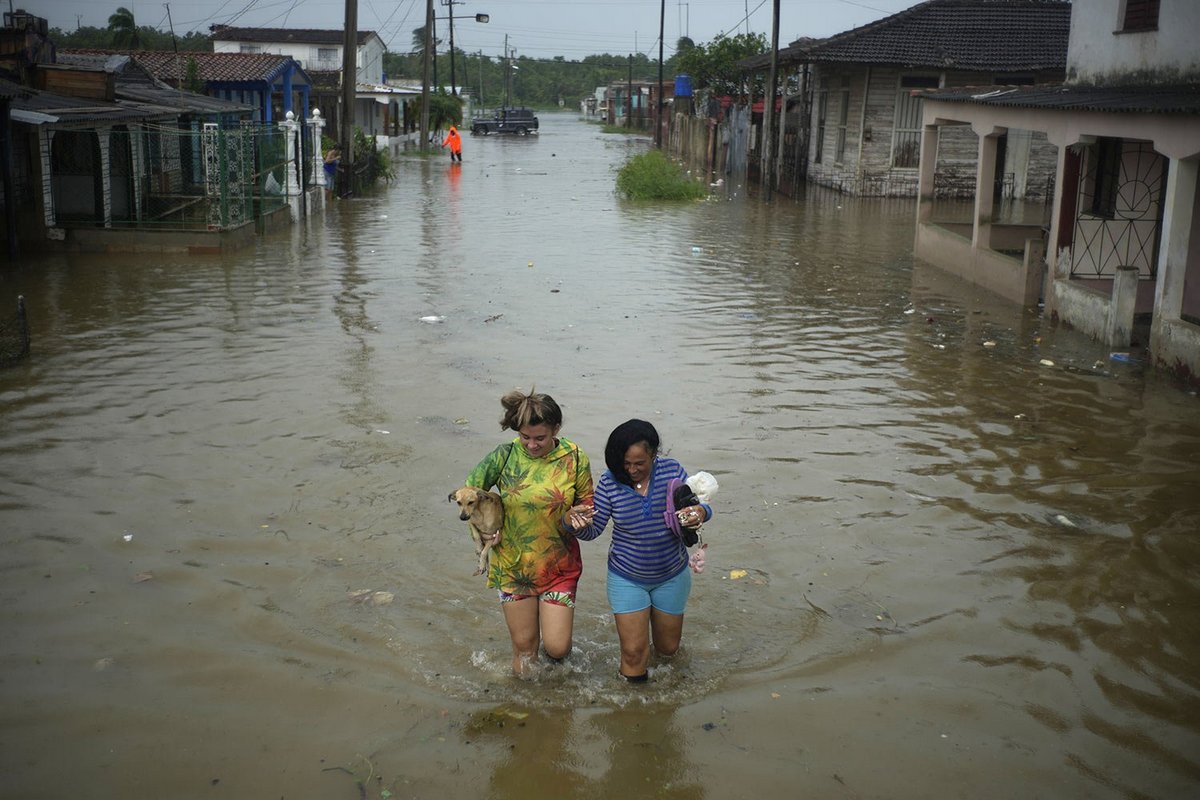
433, 319
370, 597
1045, 362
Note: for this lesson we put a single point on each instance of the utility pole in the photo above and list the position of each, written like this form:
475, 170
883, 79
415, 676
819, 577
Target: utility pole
662, 15
175, 46
629, 97
453, 85
425, 74
349, 82
507, 71
768, 151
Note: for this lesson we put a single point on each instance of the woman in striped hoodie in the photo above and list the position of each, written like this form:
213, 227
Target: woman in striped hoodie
648, 577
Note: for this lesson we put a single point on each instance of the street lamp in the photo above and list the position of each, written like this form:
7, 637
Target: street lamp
451, 17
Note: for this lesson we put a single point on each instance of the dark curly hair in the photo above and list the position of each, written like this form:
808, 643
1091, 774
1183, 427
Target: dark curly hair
624, 436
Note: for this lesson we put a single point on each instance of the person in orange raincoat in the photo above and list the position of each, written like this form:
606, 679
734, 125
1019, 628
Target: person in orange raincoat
455, 142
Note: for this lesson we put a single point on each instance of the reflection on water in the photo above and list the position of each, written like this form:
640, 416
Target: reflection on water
207, 457
539, 754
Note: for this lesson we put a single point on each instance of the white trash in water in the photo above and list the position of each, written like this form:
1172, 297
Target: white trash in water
433, 319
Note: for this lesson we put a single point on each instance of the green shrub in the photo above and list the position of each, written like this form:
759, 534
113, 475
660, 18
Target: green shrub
652, 176
370, 161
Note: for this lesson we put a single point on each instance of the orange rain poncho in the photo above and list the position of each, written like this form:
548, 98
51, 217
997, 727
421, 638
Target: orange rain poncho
454, 140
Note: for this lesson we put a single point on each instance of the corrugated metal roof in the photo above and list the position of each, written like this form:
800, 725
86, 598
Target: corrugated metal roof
287, 35
44, 107
975, 35
1178, 99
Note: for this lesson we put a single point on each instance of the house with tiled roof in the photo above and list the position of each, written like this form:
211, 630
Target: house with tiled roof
319, 52
854, 122
1118, 256
273, 84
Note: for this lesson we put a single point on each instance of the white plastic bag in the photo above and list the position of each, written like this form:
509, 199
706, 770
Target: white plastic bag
704, 485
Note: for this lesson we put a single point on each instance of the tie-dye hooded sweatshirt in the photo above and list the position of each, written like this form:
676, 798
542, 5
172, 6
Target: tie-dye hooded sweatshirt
535, 553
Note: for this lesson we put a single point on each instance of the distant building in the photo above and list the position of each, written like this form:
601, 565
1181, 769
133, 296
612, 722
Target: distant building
315, 50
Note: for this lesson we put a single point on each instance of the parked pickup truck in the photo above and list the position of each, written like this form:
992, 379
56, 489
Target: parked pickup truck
518, 120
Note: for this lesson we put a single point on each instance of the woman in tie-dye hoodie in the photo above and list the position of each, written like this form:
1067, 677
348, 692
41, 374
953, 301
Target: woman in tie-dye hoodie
545, 481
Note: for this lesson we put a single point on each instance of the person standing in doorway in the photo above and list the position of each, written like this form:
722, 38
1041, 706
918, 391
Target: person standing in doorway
455, 142
545, 482
332, 157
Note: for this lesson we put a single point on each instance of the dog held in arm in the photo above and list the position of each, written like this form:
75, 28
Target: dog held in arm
484, 515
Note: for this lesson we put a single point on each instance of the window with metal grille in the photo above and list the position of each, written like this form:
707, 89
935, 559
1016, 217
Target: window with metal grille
906, 132
1140, 15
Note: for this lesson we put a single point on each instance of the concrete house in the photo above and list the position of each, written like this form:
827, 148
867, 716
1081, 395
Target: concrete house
1122, 239
852, 110
315, 50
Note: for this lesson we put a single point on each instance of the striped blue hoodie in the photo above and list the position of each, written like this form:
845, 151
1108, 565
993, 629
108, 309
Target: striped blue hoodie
643, 548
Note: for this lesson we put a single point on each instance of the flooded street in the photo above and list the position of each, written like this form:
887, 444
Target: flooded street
938, 567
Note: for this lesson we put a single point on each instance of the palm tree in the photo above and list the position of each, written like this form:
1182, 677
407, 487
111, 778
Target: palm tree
418, 41
124, 29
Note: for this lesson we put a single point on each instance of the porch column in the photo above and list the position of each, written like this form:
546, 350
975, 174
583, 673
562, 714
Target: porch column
104, 136
1179, 209
928, 168
46, 145
290, 126
317, 125
985, 176
1119, 328
138, 166
287, 88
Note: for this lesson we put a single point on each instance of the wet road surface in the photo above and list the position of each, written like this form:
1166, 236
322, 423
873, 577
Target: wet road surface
939, 568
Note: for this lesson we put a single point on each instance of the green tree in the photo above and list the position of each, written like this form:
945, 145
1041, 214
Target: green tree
192, 82
124, 29
714, 66
444, 110
418, 42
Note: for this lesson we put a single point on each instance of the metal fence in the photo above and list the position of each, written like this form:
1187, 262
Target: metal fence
189, 176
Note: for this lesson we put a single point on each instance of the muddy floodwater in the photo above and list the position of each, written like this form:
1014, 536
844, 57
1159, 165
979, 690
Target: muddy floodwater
955, 551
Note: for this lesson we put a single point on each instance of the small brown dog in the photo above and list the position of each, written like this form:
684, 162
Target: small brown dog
484, 515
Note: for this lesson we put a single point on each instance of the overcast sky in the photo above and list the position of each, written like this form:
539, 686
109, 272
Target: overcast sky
535, 28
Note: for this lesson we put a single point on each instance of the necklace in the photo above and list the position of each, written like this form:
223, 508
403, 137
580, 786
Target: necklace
639, 486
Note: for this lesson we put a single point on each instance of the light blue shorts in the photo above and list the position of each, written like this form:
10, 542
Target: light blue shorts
670, 596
